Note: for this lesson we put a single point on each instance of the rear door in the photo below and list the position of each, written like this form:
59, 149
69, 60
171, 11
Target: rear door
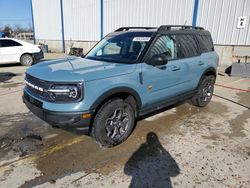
190, 53
9, 50
209, 56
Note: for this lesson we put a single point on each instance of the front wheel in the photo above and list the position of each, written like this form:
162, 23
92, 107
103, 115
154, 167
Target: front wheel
113, 122
205, 92
26, 60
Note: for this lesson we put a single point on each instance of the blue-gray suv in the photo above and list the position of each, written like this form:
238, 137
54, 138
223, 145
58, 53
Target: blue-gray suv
129, 73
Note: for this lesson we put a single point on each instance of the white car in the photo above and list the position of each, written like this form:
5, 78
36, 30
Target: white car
13, 50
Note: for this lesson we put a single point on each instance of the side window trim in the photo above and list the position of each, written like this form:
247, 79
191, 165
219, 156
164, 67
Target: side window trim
146, 54
197, 43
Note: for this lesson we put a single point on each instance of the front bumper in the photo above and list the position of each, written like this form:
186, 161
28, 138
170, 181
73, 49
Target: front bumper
58, 119
38, 55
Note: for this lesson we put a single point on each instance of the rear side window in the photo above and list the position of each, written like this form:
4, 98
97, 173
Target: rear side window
188, 46
9, 43
206, 43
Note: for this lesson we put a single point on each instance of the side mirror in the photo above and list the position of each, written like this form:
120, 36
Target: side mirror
161, 59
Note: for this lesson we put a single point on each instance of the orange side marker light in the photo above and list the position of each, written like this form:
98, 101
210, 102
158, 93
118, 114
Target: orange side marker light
86, 116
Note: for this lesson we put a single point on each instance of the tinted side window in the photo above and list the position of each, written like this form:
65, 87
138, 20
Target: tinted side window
8, 43
188, 45
206, 43
165, 45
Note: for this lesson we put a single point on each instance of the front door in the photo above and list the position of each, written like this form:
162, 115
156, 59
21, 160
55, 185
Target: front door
165, 81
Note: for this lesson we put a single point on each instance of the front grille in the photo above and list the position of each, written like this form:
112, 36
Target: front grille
35, 102
38, 83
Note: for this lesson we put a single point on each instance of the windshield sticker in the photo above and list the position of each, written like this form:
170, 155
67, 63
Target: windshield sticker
142, 39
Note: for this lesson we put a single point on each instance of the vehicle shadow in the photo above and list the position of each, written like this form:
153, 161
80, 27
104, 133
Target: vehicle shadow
20, 65
10, 65
162, 110
151, 165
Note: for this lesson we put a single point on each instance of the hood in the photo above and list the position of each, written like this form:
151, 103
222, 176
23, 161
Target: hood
75, 69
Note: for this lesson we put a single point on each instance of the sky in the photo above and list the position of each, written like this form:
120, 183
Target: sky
15, 12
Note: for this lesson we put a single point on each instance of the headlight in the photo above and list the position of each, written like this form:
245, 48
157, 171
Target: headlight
65, 92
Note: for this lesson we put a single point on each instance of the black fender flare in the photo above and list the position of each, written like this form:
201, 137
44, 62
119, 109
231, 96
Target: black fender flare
114, 91
208, 71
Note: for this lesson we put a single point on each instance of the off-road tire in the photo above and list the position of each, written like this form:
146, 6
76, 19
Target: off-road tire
99, 130
26, 60
205, 91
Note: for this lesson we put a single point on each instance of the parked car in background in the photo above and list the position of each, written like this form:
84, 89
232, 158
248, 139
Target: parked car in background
13, 50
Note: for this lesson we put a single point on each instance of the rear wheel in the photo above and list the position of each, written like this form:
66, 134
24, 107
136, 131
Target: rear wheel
113, 122
26, 60
205, 92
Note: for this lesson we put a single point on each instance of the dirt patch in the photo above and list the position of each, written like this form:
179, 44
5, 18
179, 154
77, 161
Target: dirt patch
5, 76
89, 157
213, 136
216, 108
19, 135
244, 98
22, 134
22, 146
11, 85
193, 140
237, 124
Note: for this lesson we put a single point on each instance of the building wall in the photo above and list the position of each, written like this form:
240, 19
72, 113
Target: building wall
47, 19
122, 13
220, 17
81, 20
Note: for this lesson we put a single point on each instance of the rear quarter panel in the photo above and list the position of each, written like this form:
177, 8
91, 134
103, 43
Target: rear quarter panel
26, 48
211, 60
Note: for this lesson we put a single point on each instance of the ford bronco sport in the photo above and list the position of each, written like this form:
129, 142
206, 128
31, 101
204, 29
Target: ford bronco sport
129, 73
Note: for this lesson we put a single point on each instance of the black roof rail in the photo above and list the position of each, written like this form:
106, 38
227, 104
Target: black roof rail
169, 27
129, 28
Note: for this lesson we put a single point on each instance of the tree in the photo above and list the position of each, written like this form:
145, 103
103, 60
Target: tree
8, 31
18, 29
30, 28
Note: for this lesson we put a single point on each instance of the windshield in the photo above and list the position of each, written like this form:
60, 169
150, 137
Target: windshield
122, 48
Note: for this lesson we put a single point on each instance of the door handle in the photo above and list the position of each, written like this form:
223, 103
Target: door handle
200, 63
175, 68
162, 67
